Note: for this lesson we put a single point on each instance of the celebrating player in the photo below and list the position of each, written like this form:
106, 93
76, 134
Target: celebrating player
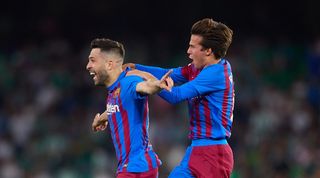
208, 87
126, 109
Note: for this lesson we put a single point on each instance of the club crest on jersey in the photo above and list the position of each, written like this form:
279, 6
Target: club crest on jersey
116, 93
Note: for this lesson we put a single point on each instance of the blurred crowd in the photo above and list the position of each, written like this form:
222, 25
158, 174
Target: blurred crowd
48, 100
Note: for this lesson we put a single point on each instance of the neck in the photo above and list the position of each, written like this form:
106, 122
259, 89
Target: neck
212, 60
114, 75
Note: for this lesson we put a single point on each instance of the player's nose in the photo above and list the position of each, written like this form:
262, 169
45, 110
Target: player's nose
88, 66
189, 51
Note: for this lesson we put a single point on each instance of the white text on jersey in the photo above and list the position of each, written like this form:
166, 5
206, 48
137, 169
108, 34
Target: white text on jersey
112, 108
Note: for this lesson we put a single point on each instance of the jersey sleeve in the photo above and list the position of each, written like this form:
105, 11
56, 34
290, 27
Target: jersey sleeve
129, 84
177, 74
209, 80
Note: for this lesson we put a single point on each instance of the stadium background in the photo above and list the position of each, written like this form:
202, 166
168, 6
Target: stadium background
47, 98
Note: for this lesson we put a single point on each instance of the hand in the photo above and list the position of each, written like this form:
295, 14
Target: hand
152, 85
99, 123
131, 65
166, 81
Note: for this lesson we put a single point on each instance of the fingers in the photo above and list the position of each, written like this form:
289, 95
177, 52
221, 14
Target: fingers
167, 84
99, 123
166, 76
131, 65
97, 116
166, 81
95, 122
170, 82
103, 119
101, 126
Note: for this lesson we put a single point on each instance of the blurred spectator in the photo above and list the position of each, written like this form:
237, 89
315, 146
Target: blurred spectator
46, 101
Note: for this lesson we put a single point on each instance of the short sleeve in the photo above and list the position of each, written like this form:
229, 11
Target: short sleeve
129, 84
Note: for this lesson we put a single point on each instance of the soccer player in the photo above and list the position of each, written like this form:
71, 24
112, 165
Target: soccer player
207, 85
126, 109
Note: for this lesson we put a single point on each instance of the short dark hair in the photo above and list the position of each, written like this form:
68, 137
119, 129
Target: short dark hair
108, 45
216, 36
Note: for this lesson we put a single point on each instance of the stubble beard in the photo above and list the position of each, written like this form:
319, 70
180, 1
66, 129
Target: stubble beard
102, 78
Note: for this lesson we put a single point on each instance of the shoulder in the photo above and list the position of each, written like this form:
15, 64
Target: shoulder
212, 73
215, 69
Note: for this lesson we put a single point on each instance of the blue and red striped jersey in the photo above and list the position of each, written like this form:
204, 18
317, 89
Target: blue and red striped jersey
128, 117
210, 96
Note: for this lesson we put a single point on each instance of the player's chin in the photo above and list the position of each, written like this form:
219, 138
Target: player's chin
95, 80
197, 66
98, 83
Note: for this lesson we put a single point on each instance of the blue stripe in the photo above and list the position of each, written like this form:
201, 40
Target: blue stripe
229, 108
186, 158
205, 142
153, 159
194, 121
113, 135
215, 118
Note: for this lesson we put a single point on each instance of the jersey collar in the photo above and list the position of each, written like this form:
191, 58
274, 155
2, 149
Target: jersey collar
121, 76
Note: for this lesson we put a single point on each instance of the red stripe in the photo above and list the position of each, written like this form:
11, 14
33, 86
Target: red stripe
191, 112
185, 71
194, 111
144, 127
208, 117
116, 131
148, 158
126, 128
198, 123
225, 97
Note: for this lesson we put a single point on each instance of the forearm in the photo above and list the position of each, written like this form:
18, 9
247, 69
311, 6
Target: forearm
149, 87
180, 93
103, 116
156, 71
172, 97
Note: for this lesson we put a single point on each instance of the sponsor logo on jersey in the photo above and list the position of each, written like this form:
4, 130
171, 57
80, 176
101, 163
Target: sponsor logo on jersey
112, 108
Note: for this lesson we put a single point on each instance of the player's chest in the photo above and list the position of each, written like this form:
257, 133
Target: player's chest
113, 101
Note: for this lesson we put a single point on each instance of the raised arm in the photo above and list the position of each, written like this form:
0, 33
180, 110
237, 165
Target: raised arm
176, 75
152, 85
206, 82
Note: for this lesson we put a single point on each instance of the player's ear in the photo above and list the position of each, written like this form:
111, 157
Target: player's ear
209, 51
109, 64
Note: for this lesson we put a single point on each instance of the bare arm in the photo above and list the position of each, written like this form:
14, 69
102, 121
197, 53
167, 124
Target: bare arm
152, 85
